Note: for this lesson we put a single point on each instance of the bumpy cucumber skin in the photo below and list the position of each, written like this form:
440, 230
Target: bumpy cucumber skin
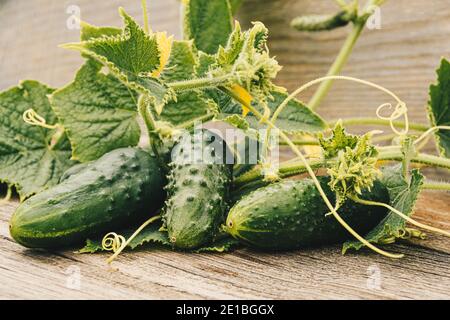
73, 171
123, 187
291, 214
197, 196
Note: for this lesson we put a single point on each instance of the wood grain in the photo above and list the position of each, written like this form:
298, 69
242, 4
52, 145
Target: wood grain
402, 56
243, 274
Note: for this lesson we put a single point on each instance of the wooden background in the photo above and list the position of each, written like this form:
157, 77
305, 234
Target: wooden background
401, 56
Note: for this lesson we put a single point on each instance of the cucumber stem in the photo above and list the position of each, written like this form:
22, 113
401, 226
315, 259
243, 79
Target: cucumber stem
344, 54
312, 142
379, 122
145, 16
57, 137
337, 66
286, 170
400, 214
150, 123
290, 169
431, 185
394, 153
301, 142
201, 83
313, 177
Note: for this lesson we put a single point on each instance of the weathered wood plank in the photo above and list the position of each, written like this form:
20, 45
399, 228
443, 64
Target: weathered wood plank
402, 56
302, 274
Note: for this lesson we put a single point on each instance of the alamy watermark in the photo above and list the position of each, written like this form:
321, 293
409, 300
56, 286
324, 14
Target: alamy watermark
73, 280
373, 277
73, 22
374, 21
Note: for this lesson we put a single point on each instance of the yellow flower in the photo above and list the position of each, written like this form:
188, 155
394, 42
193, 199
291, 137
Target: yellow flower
244, 96
165, 46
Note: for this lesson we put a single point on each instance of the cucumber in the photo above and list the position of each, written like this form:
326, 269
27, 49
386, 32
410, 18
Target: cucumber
197, 190
73, 171
123, 187
292, 214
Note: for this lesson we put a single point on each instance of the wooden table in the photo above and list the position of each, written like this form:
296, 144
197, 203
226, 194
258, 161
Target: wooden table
242, 274
402, 56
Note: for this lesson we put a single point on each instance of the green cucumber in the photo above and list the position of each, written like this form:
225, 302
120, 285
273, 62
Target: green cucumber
123, 187
292, 214
73, 171
197, 190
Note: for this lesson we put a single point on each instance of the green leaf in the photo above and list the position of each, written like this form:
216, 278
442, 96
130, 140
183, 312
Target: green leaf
89, 32
208, 23
228, 55
236, 121
151, 234
98, 112
219, 246
403, 195
439, 107
190, 106
295, 117
133, 57
205, 64
29, 159
339, 140
182, 62
225, 103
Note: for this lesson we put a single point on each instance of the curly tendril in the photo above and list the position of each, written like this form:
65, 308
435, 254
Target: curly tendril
117, 243
33, 118
113, 242
430, 131
400, 110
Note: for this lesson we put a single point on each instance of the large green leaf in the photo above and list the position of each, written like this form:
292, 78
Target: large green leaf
190, 105
89, 32
208, 23
403, 195
295, 117
439, 107
182, 62
133, 56
29, 159
98, 112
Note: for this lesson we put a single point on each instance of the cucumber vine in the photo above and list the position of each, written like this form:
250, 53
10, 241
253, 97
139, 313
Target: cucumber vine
223, 73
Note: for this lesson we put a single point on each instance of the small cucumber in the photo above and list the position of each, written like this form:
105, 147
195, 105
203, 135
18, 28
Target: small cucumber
123, 187
197, 190
292, 214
